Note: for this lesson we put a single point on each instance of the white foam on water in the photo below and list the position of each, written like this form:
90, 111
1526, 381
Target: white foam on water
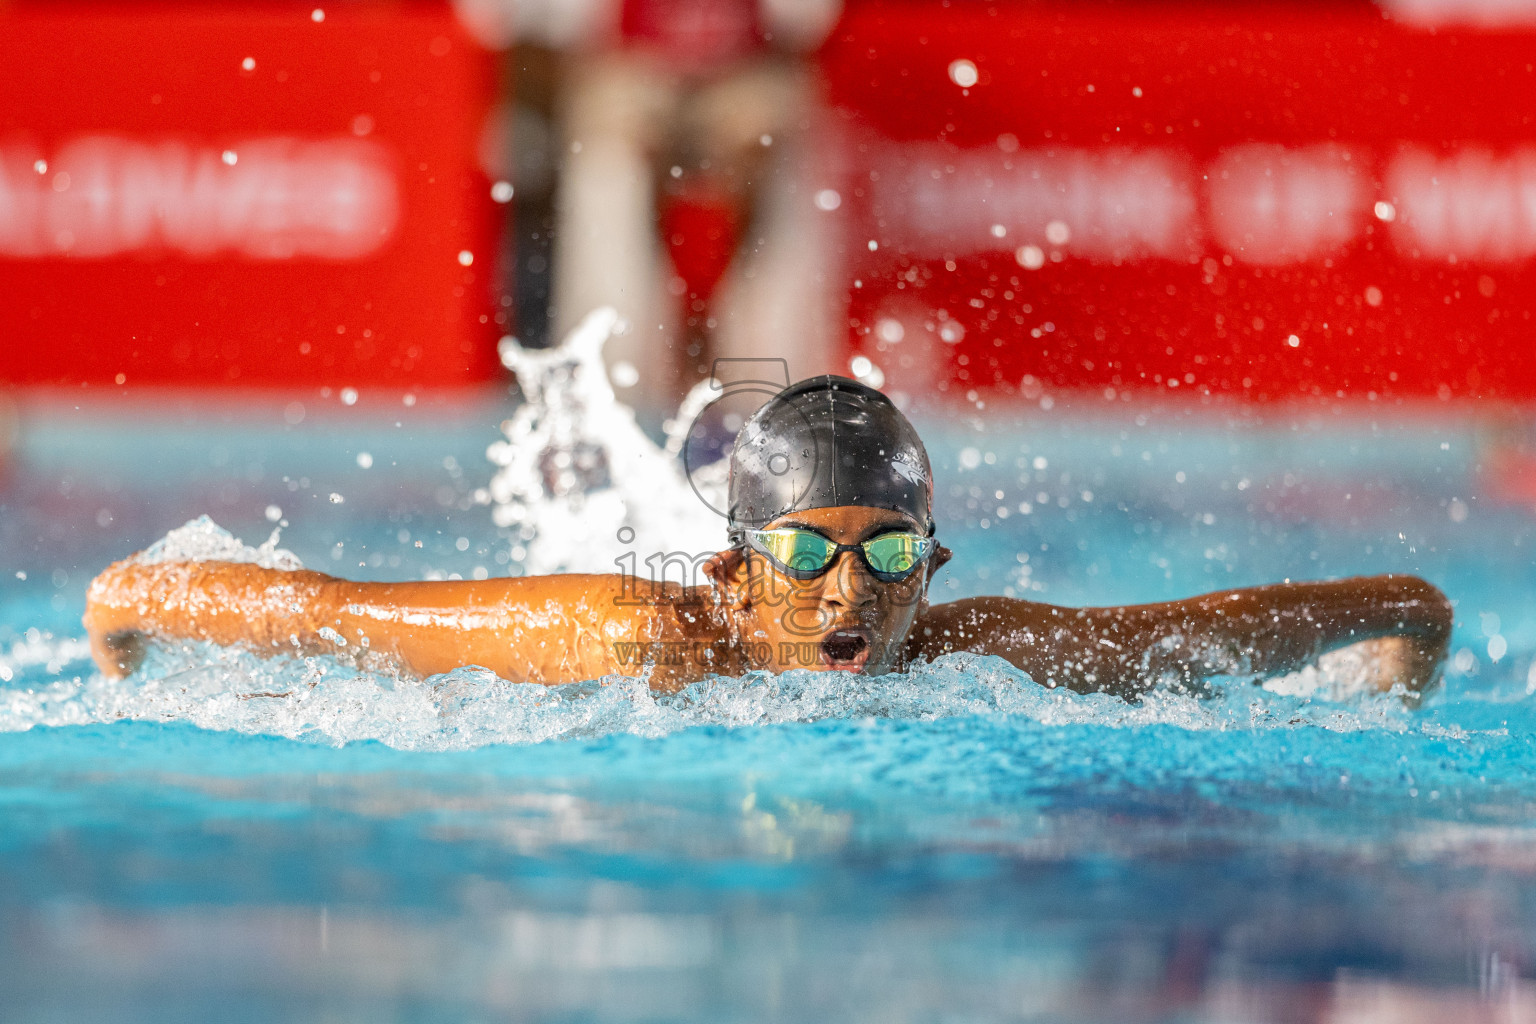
50, 682
320, 699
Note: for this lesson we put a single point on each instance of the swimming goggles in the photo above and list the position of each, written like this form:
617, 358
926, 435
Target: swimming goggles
804, 554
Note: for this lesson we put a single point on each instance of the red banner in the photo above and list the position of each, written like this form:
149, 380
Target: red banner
252, 194
1269, 201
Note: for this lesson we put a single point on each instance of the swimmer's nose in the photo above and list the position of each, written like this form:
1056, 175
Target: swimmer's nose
849, 584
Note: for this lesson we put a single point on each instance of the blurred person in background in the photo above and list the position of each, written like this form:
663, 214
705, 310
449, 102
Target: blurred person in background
683, 159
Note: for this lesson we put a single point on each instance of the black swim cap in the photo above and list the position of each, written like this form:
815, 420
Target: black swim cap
823, 442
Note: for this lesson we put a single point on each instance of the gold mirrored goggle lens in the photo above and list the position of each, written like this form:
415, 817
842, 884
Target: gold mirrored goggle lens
799, 550
895, 553
806, 555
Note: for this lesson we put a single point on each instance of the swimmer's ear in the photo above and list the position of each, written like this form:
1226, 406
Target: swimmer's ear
728, 569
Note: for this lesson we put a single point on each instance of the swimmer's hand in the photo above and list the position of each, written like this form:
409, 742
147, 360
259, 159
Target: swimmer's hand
112, 625
117, 654
1381, 664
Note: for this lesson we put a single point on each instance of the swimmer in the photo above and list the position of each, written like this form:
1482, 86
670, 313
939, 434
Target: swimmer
833, 548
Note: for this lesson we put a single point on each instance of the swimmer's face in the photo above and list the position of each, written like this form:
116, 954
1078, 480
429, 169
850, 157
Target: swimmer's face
843, 620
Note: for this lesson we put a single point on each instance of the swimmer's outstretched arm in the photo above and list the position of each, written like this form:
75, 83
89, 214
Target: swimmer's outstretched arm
550, 629
1258, 631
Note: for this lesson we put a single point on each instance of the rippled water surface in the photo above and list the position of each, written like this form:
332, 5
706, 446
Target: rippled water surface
226, 838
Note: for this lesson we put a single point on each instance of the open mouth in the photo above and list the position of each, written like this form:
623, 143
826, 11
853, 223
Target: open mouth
845, 650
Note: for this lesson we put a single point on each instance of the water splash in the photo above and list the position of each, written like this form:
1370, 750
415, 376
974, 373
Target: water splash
203, 540
322, 700
579, 485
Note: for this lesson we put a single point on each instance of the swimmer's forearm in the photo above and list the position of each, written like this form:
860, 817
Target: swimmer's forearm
1284, 626
1273, 630
549, 629
1260, 631
220, 602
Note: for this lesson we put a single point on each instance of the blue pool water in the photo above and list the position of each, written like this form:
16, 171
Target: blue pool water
956, 845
